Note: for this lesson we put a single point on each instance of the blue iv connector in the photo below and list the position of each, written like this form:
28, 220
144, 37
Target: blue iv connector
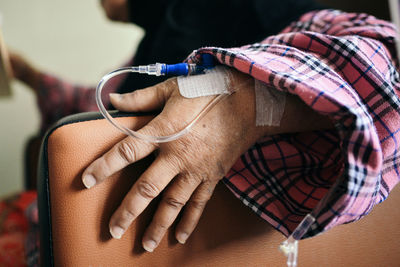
207, 62
180, 69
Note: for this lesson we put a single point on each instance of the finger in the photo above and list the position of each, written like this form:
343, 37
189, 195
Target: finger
174, 199
193, 210
122, 154
149, 186
151, 98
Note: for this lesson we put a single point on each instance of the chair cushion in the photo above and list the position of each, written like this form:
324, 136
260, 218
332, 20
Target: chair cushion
74, 220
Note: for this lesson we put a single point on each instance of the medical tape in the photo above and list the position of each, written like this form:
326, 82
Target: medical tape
270, 104
215, 81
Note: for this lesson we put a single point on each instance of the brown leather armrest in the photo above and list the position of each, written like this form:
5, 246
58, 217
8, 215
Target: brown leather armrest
229, 234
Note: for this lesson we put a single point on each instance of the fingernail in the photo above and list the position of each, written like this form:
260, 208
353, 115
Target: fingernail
182, 237
149, 245
115, 96
116, 232
89, 180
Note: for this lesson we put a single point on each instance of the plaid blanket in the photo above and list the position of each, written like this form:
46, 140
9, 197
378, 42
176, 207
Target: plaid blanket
341, 65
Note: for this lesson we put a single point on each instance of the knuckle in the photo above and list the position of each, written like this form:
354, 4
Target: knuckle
194, 152
131, 97
127, 151
192, 178
174, 160
198, 204
174, 203
147, 189
166, 126
155, 127
128, 214
162, 225
187, 178
171, 125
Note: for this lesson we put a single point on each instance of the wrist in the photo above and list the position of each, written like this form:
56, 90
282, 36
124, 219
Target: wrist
292, 116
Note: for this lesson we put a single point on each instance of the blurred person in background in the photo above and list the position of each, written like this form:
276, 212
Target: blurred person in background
173, 29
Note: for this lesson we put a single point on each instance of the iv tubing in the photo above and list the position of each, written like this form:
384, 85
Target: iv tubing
156, 69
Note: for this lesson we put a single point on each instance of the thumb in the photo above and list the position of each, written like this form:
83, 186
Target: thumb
148, 99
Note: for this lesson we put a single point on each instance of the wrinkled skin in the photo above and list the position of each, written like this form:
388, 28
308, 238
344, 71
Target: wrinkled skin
192, 165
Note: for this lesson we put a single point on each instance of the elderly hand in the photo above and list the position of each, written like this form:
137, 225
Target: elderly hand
191, 166
188, 169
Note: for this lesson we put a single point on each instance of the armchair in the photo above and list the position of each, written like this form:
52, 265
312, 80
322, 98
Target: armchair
74, 220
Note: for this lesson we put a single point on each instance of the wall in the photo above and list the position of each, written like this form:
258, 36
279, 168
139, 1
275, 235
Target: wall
72, 39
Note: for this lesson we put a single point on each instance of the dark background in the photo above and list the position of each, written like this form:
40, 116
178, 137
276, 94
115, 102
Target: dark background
378, 8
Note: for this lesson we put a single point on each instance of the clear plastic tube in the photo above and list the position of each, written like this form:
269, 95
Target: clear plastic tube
152, 70
290, 246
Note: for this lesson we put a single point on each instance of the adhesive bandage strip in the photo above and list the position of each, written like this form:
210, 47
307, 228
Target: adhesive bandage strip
215, 81
270, 104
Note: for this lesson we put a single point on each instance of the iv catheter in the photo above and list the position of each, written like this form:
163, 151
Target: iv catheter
288, 247
159, 69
